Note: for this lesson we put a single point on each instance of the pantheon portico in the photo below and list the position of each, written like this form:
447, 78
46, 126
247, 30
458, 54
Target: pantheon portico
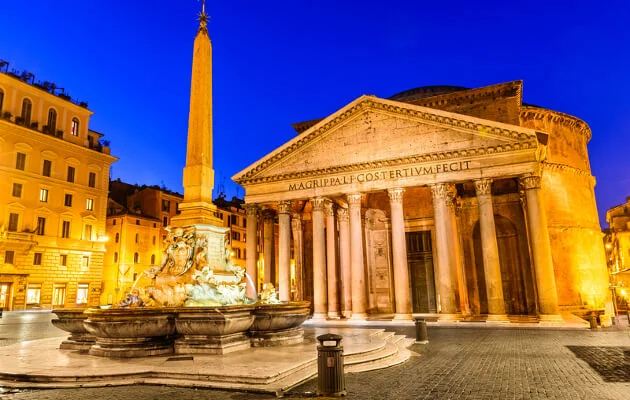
439, 200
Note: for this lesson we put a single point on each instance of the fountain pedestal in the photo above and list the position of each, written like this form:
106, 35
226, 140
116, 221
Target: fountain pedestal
71, 320
213, 330
279, 324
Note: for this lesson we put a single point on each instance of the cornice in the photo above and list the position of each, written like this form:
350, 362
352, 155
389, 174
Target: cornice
508, 89
532, 112
566, 169
399, 108
436, 156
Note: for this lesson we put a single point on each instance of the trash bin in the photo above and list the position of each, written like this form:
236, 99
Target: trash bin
330, 377
422, 336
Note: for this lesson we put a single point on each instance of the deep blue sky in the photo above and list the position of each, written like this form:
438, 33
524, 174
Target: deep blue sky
279, 62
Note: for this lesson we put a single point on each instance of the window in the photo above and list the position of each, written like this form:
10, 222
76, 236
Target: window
244, 223
65, 229
137, 238
17, 190
137, 222
9, 256
154, 240
27, 106
85, 262
114, 222
166, 205
63, 260
13, 222
237, 253
67, 200
87, 232
33, 292
236, 236
117, 237
154, 225
59, 294
41, 226
152, 259
70, 174
165, 221
89, 204
20, 161
43, 195
37, 259
234, 219
46, 167
1, 99
74, 128
136, 258
92, 179
116, 257
82, 293
52, 121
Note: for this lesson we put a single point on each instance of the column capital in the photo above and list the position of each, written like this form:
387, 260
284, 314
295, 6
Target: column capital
342, 214
296, 216
329, 208
268, 215
442, 191
251, 210
318, 203
483, 187
354, 198
395, 195
284, 207
530, 182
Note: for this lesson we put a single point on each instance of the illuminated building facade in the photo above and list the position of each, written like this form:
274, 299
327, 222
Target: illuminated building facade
617, 244
446, 201
54, 172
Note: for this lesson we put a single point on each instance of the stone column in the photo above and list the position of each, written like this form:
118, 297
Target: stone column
399, 250
320, 308
284, 251
251, 267
268, 247
443, 236
457, 265
344, 261
541, 250
298, 251
331, 260
490, 251
359, 297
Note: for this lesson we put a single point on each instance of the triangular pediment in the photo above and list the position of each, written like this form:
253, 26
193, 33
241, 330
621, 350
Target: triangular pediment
373, 131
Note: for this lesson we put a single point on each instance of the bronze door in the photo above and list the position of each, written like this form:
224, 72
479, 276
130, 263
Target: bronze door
420, 261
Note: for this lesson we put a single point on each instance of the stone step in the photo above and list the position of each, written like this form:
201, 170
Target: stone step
399, 355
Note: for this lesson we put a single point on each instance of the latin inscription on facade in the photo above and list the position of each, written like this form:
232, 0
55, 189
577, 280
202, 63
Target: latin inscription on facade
381, 175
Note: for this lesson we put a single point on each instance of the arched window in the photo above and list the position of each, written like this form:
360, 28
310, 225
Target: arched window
116, 257
136, 258
117, 237
52, 121
27, 107
74, 129
137, 238
152, 259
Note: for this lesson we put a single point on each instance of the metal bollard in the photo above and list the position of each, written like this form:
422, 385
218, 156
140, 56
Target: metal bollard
422, 336
1, 309
330, 378
592, 319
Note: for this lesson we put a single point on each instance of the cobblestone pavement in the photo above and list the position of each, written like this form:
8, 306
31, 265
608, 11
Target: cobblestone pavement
458, 363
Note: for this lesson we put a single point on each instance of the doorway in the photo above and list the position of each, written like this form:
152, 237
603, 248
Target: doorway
421, 274
5, 295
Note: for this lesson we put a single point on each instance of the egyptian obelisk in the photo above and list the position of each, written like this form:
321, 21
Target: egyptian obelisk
197, 208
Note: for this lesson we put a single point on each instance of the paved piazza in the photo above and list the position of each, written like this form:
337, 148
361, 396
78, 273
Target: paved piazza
458, 363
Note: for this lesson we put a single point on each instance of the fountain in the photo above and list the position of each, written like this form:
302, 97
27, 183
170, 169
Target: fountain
188, 307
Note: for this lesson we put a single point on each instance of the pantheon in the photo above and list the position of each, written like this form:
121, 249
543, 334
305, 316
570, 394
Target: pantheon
442, 200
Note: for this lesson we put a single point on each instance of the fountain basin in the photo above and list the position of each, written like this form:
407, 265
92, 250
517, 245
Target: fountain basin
213, 330
279, 324
71, 320
131, 332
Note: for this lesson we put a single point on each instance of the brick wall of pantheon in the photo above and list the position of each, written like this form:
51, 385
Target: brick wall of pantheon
439, 200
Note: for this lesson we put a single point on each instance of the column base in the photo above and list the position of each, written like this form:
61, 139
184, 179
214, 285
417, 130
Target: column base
319, 316
403, 317
334, 315
347, 313
448, 318
550, 318
358, 317
497, 319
